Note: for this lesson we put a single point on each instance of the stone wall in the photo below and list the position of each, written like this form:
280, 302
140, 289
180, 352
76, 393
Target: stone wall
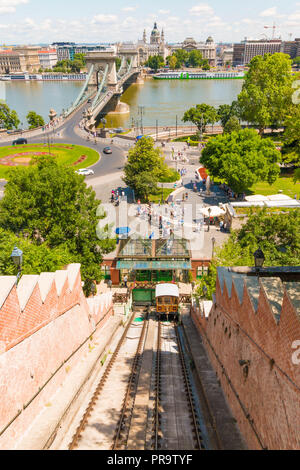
45, 326
251, 352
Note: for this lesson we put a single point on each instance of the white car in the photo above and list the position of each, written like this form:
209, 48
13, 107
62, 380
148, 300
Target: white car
85, 172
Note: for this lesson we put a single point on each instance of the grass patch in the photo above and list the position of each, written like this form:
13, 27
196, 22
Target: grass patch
284, 183
66, 154
156, 198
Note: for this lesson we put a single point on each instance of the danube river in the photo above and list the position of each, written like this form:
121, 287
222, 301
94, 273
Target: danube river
161, 100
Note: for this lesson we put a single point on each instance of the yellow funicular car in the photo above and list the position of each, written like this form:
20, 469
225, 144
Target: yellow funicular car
167, 300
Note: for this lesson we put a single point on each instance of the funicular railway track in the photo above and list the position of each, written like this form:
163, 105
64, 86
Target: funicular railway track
158, 404
95, 398
160, 438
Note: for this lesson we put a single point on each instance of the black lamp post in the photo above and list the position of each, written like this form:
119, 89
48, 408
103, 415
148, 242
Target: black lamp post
17, 257
213, 241
259, 259
209, 212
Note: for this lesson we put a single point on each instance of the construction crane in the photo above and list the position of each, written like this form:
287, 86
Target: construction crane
274, 27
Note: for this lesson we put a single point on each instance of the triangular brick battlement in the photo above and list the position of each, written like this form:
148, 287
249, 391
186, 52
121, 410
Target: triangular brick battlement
266, 308
39, 299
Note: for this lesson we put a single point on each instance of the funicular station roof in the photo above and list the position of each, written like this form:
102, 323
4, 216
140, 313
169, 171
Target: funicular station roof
155, 254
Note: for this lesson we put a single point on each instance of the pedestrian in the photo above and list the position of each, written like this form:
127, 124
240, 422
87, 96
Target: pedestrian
109, 283
125, 280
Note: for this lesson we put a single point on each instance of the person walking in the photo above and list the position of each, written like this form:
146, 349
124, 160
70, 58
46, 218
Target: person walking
125, 280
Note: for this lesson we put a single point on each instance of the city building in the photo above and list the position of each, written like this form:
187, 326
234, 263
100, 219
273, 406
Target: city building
226, 57
292, 48
48, 58
244, 52
156, 46
12, 62
31, 56
67, 51
207, 49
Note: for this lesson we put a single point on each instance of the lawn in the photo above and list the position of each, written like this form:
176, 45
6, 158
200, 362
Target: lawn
156, 198
66, 154
284, 183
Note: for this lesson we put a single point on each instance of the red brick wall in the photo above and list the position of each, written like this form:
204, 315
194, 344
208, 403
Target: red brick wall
42, 343
266, 400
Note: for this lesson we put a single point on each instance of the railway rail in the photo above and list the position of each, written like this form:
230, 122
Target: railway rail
158, 405
84, 421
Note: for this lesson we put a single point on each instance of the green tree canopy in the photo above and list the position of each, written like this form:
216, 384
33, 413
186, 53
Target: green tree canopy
36, 258
277, 235
34, 120
201, 115
195, 58
232, 125
155, 62
266, 96
291, 136
145, 167
241, 159
8, 118
53, 205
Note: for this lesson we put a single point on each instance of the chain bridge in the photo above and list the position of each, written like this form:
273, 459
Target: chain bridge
103, 82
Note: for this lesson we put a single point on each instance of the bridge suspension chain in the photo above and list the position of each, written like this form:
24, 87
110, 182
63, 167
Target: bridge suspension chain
81, 94
95, 101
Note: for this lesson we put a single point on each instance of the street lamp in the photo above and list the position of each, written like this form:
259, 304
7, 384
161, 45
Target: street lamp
17, 257
213, 241
259, 259
209, 212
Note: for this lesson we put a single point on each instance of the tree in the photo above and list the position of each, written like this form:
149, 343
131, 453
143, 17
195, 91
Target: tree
232, 125
182, 58
296, 62
144, 168
241, 159
118, 63
34, 120
155, 62
8, 118
54, 206
201, 116
291, 136
172, 62
224, 113
266, 96
277, 235
36, 258
195, 58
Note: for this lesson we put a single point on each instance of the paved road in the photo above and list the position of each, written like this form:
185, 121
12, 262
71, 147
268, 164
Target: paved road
108, 170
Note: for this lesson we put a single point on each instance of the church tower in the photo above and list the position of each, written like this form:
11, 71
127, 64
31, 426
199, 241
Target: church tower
155, 36
144, 37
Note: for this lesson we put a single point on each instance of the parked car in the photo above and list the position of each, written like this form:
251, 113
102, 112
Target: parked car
119, 130
20, 141
107, 150
85, 172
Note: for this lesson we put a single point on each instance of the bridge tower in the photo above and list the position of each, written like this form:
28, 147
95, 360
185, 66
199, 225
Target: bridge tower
99, 60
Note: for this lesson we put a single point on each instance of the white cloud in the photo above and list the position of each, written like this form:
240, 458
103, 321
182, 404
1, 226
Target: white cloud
105, 19
163, 12
9, 6
269, 12
129, 8
202, 9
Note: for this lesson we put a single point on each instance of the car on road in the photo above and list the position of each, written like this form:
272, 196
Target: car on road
20, 141
85, 172
107, 150
119, 130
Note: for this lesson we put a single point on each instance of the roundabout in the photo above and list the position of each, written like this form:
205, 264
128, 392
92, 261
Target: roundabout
66, 154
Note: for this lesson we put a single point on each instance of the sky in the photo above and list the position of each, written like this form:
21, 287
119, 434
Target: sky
37, 21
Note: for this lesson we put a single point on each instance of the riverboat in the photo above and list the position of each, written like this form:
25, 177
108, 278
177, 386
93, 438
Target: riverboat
44, 77
198, 75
